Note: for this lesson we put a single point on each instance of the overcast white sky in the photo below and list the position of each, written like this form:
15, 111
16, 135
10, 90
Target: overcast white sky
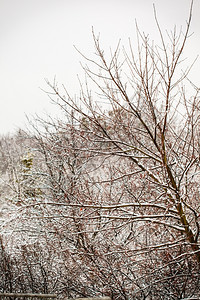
37, 38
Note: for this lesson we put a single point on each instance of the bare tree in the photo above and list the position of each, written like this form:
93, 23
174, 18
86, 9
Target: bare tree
144, 190
146, 128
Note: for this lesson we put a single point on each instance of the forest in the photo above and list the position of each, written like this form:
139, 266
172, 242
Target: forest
105, 200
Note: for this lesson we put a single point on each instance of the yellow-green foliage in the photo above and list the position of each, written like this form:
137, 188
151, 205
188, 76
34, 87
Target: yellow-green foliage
27, 161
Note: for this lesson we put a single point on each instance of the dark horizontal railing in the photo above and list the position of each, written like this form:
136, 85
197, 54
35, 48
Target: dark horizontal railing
47, 296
